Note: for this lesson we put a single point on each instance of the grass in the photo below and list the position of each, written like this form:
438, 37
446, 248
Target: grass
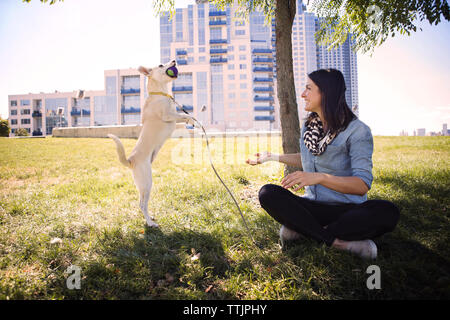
76, 190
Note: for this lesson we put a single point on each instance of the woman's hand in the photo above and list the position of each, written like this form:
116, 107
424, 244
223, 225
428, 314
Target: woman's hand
301, 179
263, 157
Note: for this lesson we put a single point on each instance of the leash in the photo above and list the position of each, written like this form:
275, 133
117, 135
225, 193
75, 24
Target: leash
211, 162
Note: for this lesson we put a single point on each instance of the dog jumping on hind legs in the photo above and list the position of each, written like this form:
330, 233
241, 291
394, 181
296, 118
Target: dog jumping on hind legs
159, 118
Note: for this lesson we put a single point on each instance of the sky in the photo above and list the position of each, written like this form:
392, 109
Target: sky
403, 85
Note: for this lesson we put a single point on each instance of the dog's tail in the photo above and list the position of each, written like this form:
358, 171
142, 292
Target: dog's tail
120, 151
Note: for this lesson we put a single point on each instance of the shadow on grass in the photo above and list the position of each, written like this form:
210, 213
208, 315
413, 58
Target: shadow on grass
409, 270
153, 265
413, 259
424, 209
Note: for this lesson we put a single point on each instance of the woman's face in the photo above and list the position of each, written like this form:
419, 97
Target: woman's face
311, 94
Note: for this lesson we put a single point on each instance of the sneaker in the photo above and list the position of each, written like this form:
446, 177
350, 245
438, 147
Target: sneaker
288, 234
366, 249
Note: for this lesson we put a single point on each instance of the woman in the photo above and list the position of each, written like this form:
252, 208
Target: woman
336, 157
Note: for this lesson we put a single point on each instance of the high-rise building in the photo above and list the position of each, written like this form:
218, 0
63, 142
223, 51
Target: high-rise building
303, 51
421, 132
343, 59
229, 64
309, 56
444, 129
225, 63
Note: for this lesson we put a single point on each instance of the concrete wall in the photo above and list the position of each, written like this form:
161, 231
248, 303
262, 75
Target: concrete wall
132, 131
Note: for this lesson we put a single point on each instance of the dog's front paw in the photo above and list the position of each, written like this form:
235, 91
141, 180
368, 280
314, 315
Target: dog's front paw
152, 224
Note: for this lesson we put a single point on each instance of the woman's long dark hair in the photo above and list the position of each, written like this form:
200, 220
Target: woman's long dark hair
335, 109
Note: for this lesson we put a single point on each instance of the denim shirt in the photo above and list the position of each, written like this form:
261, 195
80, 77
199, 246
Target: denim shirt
349, 154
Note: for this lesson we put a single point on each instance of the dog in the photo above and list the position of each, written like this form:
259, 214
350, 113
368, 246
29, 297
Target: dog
159, 118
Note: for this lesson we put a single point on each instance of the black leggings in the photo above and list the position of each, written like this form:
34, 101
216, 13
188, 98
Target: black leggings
351, 221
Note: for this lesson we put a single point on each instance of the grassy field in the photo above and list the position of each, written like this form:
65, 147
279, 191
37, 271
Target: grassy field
76, 190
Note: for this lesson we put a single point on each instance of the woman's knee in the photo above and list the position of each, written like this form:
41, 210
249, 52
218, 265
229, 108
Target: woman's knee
267, 193
389, 212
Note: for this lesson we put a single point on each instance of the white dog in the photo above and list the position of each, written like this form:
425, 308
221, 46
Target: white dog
159, 118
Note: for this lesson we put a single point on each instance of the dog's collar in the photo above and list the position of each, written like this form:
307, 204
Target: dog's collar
170, 97
161, 94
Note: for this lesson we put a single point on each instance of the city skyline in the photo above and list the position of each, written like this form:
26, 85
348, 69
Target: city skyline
225, 64
398, 88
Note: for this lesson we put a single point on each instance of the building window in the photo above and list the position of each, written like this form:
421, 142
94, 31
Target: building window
242, 57
184, 79
231, 77
231, 67
111, 85
14, 112
201, 11
241, 48
130, 82
215, 33
240, 32
243, 76
25, 121
104, 110
243, 86
242, 66
24, 102
201, 81
14, 121
201, 36
13, 103
191, 26
216, 68
179, 24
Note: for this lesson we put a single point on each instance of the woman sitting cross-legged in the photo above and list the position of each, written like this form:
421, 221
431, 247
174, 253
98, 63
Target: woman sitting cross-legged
336, 156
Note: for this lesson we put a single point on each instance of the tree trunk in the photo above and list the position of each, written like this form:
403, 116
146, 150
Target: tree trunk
290, 128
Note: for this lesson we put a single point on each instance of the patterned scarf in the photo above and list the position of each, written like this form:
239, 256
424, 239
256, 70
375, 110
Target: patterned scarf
314, 137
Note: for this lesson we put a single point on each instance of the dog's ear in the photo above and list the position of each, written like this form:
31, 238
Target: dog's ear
145, 71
